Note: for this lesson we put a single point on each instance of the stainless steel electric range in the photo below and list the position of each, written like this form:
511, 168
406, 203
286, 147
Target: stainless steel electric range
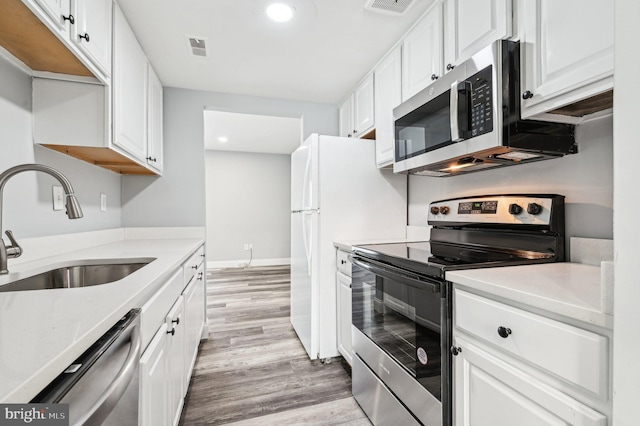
401, 304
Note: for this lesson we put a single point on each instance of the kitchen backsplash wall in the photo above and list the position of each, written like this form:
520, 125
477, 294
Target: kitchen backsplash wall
249, 207
585, 179
145, 200
27, 204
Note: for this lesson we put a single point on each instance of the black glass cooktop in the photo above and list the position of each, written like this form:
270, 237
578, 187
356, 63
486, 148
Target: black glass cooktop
434, 258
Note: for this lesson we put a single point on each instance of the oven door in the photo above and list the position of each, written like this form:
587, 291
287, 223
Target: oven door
402, 332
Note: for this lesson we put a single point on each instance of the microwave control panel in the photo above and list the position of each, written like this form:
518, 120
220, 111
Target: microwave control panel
481, 102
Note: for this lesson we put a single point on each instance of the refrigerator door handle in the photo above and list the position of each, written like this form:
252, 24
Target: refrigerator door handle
307, 183
307, 240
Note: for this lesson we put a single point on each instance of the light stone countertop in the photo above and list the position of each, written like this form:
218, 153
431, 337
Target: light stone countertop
572, 290
43, 331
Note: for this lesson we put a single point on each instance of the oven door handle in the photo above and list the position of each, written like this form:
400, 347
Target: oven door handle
396, 274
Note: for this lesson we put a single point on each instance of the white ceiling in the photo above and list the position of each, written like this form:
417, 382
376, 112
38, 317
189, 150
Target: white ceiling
251, 133
317, 57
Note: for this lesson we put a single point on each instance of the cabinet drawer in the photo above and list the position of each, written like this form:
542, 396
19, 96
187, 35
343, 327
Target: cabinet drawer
577, 356
343, 264
192, 264
155, 310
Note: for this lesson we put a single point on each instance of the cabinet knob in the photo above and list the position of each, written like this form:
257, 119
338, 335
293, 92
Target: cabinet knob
85, 36
450, 67
176, 321
342, 261
194, 267
172, 332
69, 18
504, 332
527, 95
349, 135
434, 77
455, 350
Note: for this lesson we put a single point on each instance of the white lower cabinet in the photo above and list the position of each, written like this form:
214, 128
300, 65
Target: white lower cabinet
489, 391
177, 312
344, 316
343, 308
176, 338
154, 381
515, 367
194, 302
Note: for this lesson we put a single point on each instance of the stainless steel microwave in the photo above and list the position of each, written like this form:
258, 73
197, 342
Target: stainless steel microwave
469, 120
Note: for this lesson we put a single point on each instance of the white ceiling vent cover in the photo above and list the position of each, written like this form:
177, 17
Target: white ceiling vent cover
389, 7
198, 46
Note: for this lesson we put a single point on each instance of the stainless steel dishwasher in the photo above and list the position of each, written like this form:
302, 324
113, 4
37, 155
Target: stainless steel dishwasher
101, 386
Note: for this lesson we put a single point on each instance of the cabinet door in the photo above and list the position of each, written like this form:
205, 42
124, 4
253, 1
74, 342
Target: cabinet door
346, 117
343, 283
565, 59
154, 381
388, 95
422, 53
489, 391
176, 352
194, 320
471, 25
154, 123
363, 118
129, 81
92, 31
56, 10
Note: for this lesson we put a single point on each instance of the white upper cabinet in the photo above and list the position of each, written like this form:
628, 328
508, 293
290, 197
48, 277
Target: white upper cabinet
92, 31
129, 90
388, 95
566, 52
363, 108
59, 11
346, 117
471, 25
422, 57
357, 110
154, 123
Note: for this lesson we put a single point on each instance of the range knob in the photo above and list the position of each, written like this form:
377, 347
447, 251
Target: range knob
435, 210
534, 208
515, 208
444, 210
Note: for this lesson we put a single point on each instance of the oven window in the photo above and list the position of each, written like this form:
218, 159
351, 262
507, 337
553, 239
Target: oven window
404, 322
424, 129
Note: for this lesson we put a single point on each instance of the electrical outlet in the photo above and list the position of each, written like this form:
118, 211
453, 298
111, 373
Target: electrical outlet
103, 202
246, 246
58, 198
250, 246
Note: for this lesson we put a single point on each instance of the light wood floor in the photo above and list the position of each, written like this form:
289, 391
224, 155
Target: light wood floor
253, 369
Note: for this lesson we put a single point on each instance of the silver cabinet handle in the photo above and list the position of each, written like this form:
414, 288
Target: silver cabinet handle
101, 409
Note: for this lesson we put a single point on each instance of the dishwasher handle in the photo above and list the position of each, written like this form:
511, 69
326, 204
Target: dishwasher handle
101, 409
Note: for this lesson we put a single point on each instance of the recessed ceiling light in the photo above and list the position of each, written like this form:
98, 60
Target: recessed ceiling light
223, 139
279, 12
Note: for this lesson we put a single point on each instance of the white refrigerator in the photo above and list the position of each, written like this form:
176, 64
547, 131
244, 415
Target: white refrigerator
337, 194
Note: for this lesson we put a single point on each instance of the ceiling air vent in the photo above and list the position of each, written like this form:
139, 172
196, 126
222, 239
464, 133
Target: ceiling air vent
389, 7
198, 46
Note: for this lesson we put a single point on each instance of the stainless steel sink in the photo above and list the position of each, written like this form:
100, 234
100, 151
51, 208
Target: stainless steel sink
79, 274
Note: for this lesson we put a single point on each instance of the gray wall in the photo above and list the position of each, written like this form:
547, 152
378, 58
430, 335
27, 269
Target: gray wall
585, 179
251, 206
178, 198
27, 207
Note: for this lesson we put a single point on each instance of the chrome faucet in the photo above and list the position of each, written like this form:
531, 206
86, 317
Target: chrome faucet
73, 207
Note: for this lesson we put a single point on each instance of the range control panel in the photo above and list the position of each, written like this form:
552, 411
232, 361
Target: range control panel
498, 209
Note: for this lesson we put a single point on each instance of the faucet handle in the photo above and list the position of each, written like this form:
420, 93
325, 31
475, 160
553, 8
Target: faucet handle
14, 250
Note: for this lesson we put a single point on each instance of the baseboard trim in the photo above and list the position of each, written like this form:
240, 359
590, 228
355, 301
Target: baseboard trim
242, 263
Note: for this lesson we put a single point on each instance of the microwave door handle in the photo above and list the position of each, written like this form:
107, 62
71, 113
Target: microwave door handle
453, 113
